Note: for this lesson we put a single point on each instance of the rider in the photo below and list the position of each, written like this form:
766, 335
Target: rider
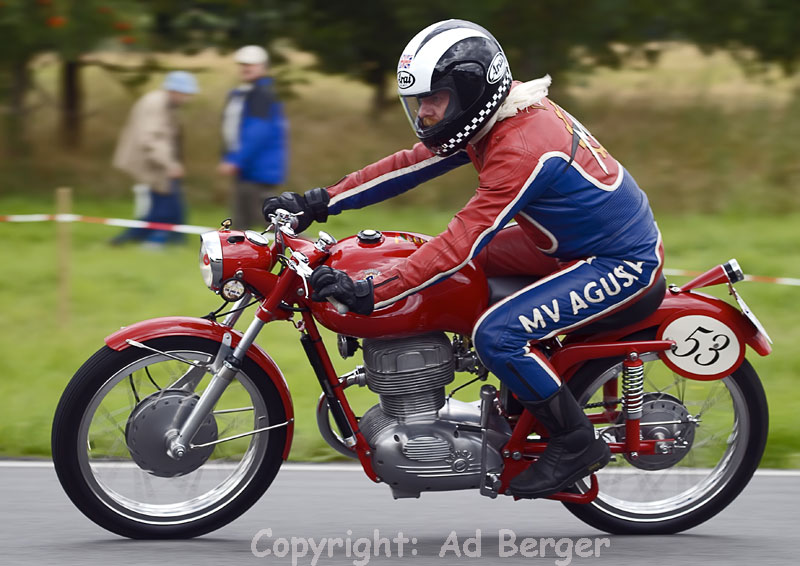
536, 165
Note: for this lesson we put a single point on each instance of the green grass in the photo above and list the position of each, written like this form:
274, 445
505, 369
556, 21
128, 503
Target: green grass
112, 287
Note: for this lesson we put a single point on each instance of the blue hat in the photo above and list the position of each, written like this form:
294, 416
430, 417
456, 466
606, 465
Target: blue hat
180, 81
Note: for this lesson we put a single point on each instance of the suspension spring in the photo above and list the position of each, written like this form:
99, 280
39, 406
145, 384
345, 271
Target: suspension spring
633, 387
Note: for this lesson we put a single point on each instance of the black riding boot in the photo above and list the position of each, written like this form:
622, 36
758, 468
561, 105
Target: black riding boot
572, 452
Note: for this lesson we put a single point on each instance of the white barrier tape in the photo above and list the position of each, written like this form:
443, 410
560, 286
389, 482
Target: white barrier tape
757, 278
189, 229
119, 222
26, 218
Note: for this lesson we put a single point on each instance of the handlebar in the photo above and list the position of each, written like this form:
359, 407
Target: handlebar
284, 219
341, 308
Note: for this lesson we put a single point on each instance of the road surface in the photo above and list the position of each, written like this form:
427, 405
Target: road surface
308, 507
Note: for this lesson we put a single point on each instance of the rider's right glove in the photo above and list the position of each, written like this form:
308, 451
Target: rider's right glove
313, 204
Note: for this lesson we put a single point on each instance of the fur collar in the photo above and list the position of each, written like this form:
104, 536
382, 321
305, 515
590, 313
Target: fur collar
522, 96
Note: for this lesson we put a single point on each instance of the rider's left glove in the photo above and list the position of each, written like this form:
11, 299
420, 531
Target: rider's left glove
313, 204
356, 295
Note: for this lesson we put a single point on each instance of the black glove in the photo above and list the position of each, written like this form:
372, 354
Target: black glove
313, 204
329, 282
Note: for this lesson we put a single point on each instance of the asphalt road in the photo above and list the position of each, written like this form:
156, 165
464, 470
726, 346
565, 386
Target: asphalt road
39, 526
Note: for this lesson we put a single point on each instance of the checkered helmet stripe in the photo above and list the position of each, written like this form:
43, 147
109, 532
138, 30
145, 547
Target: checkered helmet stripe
478, 121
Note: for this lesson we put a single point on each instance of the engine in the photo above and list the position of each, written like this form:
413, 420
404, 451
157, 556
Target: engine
422, 441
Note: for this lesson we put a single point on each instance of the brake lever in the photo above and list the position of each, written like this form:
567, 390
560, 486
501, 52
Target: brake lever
300, 264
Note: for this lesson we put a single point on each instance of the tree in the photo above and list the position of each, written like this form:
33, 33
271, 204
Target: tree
360, 39
364, 39
759, 32
70, 28
192, 25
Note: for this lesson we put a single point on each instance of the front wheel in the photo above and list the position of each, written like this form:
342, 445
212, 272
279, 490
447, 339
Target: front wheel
721, 427
109, 445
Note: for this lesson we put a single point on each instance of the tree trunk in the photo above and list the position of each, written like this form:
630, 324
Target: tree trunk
71, 104
378, 80
15, 117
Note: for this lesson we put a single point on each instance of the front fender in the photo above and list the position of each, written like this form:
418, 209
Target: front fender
202, 328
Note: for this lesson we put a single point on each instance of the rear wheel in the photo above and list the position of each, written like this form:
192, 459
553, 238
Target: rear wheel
721, 426
109, 441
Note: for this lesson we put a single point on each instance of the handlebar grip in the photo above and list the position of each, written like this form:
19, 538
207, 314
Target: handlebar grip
341, 308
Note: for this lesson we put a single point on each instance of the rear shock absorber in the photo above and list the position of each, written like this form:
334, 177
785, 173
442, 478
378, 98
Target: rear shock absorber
632, 400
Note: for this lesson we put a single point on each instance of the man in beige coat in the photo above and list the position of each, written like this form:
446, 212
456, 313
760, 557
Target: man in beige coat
150, 150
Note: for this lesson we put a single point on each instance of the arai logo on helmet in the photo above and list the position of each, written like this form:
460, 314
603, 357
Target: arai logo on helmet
404, 79
497, 69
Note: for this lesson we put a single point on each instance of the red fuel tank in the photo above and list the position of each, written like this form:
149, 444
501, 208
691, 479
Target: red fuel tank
452, 305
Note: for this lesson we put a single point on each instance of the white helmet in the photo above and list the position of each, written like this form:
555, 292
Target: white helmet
463, 59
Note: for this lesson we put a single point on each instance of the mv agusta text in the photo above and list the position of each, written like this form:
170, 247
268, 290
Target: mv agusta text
178, 425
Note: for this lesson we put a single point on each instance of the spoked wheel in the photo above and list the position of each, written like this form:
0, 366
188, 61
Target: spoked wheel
721, 430
109, 441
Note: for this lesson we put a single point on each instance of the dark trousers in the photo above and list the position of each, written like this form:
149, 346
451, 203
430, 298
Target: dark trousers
168, 208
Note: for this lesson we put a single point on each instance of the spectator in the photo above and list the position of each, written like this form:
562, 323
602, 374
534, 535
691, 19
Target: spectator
150, 150
254, 132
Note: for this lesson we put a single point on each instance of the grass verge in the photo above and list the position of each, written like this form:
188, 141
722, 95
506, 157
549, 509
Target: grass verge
112, 287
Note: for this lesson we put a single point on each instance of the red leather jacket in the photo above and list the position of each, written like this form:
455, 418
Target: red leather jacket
540, 167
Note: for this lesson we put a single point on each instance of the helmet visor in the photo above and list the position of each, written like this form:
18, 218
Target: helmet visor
427, 111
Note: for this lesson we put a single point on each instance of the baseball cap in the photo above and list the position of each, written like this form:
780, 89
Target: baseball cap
180, 81
251, 55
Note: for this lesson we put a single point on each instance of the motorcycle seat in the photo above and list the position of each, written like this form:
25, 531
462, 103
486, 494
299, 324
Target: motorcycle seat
502, 287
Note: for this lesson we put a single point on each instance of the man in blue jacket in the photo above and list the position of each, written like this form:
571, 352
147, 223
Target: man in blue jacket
254, 133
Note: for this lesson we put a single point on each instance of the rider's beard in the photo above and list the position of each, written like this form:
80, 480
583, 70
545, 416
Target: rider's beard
429, 121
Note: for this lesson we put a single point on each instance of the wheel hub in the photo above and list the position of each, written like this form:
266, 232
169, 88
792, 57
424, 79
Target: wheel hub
151, 425
669, 419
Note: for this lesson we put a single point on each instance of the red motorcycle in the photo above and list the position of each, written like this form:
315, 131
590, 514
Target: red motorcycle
178, 425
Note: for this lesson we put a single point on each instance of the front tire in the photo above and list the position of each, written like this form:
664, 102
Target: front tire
724, 450
122, 482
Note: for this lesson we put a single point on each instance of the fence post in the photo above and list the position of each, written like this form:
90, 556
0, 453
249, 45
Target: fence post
63, 249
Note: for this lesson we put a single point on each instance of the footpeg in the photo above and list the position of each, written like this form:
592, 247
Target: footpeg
575, 496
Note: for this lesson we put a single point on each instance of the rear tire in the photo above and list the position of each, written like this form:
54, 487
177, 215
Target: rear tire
725, 451
93, 461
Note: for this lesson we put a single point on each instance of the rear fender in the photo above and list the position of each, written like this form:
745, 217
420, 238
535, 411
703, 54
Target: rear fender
702, 326
202, 328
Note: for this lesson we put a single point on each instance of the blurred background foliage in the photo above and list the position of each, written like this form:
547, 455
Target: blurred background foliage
70, 69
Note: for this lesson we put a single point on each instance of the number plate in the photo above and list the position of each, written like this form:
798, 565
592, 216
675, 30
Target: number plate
749, 314
704, 346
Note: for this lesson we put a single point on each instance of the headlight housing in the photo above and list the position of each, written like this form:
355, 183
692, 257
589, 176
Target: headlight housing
211, 260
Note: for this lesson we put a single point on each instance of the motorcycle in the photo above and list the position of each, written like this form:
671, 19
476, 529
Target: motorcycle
178, 425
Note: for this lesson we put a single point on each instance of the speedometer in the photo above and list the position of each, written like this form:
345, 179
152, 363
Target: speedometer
256, 238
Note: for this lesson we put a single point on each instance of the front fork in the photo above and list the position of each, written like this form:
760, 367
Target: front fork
179, 440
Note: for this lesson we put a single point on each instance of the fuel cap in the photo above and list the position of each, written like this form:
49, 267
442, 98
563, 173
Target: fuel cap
369, 236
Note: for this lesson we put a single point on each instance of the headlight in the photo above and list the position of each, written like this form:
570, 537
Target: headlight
211, 260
